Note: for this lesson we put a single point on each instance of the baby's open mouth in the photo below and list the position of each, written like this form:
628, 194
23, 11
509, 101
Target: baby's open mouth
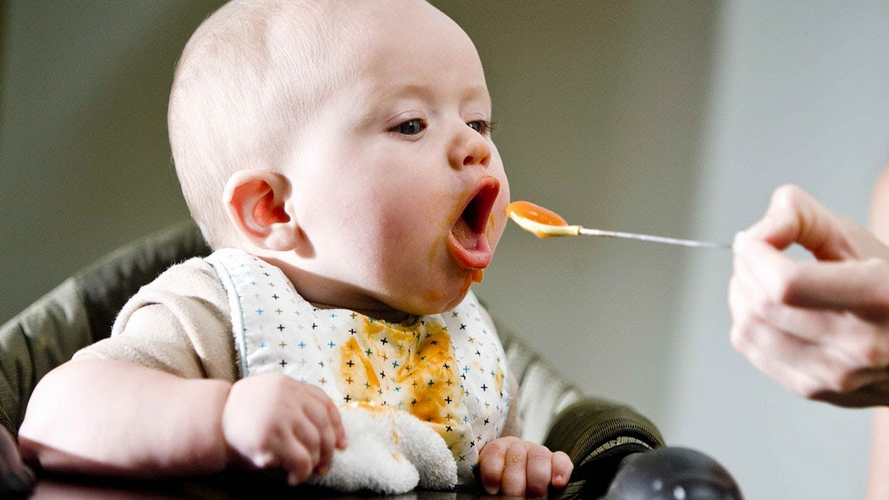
467, 242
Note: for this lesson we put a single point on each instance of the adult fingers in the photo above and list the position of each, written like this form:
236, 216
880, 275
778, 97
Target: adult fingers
859, 286
562, 468
810, 370
805, 368
788, 375
862, 343
538, 471
836, 353
515, 465
794, 216
748, 297
773, 352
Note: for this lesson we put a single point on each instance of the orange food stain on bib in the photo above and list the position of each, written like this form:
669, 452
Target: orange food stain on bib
407, 366
355, 350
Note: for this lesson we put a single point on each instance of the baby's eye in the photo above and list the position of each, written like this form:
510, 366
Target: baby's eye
481, 126
410, 127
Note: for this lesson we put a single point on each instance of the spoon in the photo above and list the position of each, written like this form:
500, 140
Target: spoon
545, 223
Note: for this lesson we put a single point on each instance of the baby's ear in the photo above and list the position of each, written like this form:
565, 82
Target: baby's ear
256, 201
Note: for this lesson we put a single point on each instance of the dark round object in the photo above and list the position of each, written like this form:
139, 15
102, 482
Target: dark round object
672, 474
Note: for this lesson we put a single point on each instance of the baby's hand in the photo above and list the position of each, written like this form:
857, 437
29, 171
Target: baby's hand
275, 421
521, 468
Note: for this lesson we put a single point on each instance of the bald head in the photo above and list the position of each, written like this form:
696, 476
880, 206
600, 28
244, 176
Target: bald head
256, 72
249, 78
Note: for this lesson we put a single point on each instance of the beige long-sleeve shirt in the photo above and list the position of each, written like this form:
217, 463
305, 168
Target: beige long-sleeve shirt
180, 323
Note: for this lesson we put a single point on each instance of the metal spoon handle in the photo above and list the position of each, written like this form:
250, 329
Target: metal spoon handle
656, 239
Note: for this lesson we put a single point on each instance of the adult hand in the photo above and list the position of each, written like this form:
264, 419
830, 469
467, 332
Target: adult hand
820, 328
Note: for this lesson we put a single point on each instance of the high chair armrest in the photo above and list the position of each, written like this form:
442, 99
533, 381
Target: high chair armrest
597, 434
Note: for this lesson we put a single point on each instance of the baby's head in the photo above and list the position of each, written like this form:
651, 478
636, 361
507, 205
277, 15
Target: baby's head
345, 141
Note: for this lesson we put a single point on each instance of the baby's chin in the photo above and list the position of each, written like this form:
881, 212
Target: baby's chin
428, 302
437, 301
439, 291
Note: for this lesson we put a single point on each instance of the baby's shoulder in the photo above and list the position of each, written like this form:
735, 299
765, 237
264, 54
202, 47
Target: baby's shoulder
193, 277
193, 282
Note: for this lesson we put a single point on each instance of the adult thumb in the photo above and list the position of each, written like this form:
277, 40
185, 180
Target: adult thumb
795, 216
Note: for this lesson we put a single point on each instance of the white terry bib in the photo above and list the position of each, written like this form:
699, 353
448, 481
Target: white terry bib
448, 370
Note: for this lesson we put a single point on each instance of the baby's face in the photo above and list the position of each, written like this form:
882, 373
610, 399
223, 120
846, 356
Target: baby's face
398, 187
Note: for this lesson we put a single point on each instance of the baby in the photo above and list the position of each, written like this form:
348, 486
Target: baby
337, 156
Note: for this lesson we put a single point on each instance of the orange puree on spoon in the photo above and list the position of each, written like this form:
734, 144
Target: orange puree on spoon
538, 220
536, 213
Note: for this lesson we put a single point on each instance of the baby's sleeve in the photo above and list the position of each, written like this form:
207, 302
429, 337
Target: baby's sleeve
180, 323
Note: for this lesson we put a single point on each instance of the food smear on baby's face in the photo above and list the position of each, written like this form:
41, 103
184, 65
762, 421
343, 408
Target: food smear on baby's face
521, 211
478, 275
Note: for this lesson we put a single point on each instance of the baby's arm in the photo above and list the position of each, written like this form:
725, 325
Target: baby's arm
115, 418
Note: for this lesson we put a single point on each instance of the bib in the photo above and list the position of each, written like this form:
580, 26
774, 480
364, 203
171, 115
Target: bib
448, 370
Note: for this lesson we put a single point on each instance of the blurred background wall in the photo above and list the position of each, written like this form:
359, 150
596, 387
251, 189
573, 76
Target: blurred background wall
674, 117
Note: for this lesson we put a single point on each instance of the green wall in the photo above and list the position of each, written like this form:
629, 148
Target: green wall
84, 154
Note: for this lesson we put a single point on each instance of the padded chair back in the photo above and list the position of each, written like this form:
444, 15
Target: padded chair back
81, 311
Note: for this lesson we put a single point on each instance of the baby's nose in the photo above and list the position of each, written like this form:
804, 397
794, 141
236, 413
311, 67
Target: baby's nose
470, 148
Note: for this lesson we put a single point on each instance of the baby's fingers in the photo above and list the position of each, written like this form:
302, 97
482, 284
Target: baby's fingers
336, 422
333, 416
316, 433
539, 471
328, 443
298, 462
562, 468
326, 419
491, 461
514, 470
